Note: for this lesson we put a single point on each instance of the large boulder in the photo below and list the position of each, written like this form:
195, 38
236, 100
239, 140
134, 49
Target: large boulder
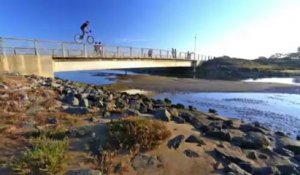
195, 139
175, 142
223, 135
290, 144
163, 114
252, 140
234, 168
190, 153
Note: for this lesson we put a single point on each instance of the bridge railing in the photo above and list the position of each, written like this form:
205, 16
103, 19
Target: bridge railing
15, 46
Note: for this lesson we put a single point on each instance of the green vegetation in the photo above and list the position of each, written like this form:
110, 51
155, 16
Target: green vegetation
52, 133
137, 133
44, 157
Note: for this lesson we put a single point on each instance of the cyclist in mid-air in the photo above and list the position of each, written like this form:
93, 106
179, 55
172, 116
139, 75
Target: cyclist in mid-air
85, 28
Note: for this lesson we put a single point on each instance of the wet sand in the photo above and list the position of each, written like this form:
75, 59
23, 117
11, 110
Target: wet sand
161, 84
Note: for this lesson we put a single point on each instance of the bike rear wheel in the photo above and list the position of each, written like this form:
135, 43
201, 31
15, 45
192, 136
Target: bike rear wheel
90, 39
78, 38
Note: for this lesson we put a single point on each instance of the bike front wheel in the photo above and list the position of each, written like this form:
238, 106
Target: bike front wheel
78, 38
90, 39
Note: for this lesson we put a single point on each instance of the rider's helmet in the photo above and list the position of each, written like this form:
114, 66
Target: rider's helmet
87, 21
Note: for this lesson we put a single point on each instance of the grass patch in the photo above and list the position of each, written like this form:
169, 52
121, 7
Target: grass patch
45, 157
51, 133
137, 133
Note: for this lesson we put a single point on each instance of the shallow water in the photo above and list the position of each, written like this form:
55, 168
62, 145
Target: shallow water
278, 111
287, 80
97, 77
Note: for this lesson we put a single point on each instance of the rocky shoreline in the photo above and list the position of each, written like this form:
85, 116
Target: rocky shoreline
198, 139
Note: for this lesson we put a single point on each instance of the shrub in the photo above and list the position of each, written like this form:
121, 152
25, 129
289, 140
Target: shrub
45, 157
137, 133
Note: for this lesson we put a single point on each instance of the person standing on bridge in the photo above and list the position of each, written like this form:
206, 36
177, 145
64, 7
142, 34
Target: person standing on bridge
85, 27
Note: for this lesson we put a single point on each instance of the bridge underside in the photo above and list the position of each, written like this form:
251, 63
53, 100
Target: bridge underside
77, 64
47, 65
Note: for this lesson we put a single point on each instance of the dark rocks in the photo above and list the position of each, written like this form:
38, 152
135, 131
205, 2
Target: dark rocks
213, 111
195, 139
175, 142
234, 168
252, 155
219, 135
52, 120
179, 106
75, 110
290, 144
252, 140
144, 161
229, 155
288, 170
163, 115
284, 152
279, 133
178, 120
250, 127
188, 117
298, 137
190, 153
269, 170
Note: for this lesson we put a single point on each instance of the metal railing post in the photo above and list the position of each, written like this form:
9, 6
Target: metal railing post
85, 50
160, 53
130, 52
142, 52
2, 46
63, 49
36, 47
118, 51
103, 51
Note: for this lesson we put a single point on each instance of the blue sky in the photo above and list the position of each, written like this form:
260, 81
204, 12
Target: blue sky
242, 28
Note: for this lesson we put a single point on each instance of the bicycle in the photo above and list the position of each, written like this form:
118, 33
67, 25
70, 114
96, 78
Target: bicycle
79, 38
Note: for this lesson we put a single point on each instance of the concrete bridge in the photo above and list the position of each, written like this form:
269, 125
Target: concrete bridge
44, 58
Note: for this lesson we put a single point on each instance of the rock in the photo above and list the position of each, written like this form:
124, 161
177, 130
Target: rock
219, 135
252, 140
178, 120
288, 170
168, 101
195, 139
279, 133
252, 155
174, 112
190, 153
84, 103
269, 170
179, 106
232, 167
72, 100
163, 114
175, 142
213, 111
132, 112
93, 119
246, 166
262, 156
250, 127
192, 108
290, 144
3, 86
230, 155
298, 137
187, 117
284, 152
84, 172
144, 161
52, 120
75, 110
